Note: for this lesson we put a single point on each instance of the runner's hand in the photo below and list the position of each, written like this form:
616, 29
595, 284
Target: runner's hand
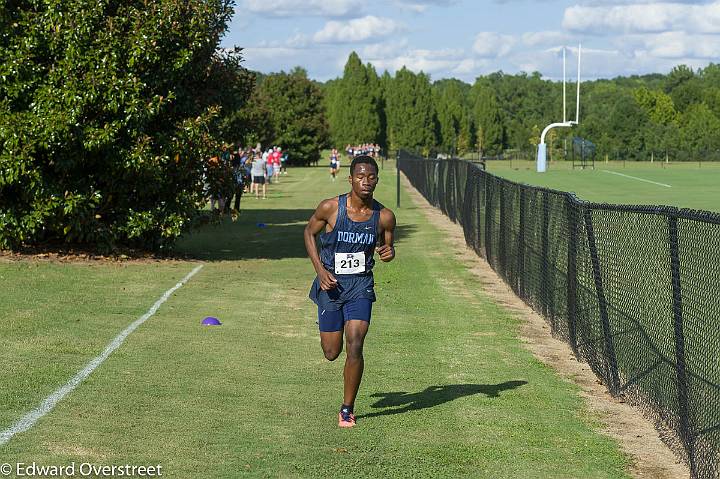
386, 252
327, 280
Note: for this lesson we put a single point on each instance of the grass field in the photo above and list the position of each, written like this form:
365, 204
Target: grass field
687, 185
448, 391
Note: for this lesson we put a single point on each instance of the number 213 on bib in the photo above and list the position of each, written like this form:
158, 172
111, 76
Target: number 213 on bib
349, 263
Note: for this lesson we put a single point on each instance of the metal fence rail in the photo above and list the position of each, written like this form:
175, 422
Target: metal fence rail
634, 290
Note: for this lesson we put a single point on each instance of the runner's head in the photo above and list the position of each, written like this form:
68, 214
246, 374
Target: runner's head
363, 160
363, 176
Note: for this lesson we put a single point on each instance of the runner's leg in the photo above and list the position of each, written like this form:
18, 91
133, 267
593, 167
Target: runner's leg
355, 331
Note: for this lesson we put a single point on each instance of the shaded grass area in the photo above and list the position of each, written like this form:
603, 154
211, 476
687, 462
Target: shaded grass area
448, 392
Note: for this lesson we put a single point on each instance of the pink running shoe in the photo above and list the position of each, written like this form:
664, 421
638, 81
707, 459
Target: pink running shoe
346, 419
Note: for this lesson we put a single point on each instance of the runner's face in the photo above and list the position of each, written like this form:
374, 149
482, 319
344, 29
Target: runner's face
364, 180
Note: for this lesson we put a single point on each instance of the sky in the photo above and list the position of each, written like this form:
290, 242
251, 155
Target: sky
465, 39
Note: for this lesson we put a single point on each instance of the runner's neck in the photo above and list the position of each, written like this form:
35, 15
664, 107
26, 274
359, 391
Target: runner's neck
357, 203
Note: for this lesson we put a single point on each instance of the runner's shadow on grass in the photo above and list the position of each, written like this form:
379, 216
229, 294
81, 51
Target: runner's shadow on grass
404, 231
434, 396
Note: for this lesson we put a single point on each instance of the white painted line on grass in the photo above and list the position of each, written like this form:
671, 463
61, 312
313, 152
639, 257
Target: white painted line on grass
636, 178
29, 419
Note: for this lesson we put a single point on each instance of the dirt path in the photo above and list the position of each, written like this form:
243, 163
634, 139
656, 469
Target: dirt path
650, 457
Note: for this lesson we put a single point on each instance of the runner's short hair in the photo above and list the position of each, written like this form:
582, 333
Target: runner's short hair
363, 159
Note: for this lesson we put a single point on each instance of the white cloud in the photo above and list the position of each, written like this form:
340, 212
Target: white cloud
545, 38
470, 66
492, 45
416, 63
633, 2
429, 61
676, 45
385, 49
419, 6
298, 40
643, 18
292, 8
366, 29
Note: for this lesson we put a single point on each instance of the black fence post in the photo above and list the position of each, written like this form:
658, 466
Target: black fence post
682, 381
452, 208
397, 183
480, 200
502, 236
518, 281
614, 385
467, 205
488, 219
545, 245
572, 223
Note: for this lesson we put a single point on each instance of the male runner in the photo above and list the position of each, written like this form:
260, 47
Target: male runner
350, 225
334, 166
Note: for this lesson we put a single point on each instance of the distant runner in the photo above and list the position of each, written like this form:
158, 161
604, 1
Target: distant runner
334, 163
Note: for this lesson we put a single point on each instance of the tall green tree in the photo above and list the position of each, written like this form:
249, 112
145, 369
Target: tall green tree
410, 112
698, 132
107, 115
684, 87
355, 105
660, 120
487, 119
297, 114
385, 87
450, 97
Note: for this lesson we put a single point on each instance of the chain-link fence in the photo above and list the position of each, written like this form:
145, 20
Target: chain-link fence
632, 289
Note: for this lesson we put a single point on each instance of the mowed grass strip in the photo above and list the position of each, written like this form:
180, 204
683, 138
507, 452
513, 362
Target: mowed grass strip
691, 186
448, 391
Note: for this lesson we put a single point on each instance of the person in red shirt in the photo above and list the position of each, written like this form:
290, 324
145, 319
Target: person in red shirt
276, 163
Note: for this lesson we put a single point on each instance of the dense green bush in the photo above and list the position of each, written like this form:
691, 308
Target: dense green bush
108, 110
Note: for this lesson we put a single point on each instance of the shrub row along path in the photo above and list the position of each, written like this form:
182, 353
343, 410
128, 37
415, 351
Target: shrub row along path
449, 388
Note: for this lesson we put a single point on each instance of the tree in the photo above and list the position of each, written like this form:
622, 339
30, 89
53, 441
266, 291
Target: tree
106, 117
450, 101
296, 114
683, 86
660, 120
385, 85
355, 105
487, 119
410, 112
698, 132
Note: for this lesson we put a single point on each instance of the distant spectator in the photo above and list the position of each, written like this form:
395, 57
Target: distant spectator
259, 175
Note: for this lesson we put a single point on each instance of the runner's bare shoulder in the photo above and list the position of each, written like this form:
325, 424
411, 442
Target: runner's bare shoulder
387, 218
327, 208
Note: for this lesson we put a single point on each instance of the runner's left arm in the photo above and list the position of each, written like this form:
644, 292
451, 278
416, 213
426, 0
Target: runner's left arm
387, 225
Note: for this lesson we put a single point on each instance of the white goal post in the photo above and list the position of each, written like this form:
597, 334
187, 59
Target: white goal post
542, 147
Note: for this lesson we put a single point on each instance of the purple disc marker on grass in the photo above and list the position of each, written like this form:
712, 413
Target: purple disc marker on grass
210, 321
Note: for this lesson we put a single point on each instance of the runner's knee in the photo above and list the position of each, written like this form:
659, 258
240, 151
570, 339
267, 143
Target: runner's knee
331, 352
354, 348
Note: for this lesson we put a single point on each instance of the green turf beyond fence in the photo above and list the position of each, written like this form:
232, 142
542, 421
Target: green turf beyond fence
632, 289
449, 391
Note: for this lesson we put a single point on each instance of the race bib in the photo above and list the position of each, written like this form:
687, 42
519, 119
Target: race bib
350, 263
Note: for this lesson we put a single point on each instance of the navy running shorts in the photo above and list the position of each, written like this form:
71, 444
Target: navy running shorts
331, 321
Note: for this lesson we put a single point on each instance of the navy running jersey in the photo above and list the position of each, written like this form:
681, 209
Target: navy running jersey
347, 252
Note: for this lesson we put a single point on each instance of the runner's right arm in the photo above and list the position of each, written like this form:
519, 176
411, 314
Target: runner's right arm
315, 225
